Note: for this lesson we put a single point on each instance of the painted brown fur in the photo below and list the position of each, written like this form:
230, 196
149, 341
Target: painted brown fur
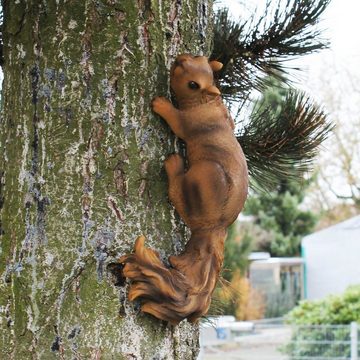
208, 195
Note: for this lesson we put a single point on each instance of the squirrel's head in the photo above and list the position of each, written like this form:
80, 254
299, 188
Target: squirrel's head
192, 78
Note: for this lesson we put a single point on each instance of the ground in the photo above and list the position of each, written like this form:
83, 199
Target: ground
264, 344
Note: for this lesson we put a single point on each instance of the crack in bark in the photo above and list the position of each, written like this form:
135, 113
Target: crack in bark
68, 280
113, 207
121, 183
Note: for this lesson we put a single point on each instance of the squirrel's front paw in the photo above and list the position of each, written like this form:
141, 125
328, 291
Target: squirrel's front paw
160, 104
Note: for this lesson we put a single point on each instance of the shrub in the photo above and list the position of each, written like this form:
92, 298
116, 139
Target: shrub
238, 298
340, 309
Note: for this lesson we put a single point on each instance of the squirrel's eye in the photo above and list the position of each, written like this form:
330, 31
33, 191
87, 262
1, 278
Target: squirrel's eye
193, 85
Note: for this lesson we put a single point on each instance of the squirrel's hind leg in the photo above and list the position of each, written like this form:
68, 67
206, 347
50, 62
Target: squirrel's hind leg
199, 194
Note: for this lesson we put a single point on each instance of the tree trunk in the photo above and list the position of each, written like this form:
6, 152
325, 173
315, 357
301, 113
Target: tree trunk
81, 168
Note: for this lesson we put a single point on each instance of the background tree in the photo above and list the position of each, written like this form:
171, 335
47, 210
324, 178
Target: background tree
281, 218
278, 212
336, 193
238, 246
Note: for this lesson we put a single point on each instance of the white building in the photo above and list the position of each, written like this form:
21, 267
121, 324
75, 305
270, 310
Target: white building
332, 259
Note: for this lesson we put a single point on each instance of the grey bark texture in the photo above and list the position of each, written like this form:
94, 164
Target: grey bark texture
81, 172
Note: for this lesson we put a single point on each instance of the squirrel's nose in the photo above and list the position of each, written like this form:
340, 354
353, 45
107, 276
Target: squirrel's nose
212, 90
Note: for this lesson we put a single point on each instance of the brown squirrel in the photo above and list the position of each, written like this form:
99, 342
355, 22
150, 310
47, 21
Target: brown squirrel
208, 195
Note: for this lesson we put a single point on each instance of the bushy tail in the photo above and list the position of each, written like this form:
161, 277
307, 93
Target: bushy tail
182, 291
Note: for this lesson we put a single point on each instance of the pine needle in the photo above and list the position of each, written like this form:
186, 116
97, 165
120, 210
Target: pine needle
283, 146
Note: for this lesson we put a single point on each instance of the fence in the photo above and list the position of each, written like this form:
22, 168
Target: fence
280, 342
322, 342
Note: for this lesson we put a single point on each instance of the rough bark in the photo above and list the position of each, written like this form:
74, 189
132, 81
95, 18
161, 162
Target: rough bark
81, 173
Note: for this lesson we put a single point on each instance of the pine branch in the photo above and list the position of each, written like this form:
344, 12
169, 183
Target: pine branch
283, 146
251, 52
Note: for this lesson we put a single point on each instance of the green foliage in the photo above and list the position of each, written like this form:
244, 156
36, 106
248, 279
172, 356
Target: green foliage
237, 250
340, 309
313, 320
279, 214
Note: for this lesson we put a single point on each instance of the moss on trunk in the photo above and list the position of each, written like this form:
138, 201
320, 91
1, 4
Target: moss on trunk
81, 172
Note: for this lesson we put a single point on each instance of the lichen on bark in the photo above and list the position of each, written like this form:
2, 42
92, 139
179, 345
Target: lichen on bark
81, 173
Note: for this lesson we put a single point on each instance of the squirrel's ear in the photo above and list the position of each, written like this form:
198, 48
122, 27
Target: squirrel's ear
215, 65
178, 66
178, 70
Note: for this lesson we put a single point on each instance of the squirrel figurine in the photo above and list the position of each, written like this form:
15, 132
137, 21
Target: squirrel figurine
208, 194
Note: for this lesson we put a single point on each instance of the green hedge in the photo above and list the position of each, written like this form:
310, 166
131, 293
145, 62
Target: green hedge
333, 310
